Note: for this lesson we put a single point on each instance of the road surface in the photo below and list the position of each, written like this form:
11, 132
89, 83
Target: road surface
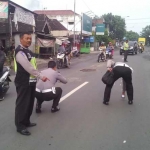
83, 122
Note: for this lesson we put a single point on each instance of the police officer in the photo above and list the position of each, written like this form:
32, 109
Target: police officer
46, 91
120, 70
25, 81
126, 48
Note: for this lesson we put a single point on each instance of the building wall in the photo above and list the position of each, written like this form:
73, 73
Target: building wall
64, 20
17, 42
59, 33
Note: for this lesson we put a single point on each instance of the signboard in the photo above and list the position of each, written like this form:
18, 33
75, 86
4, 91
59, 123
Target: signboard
86, 24
45, 43
24, 17
3, 10
100, 29
89, 39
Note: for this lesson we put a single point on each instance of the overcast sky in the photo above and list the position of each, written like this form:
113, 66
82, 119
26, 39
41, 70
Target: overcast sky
138, 11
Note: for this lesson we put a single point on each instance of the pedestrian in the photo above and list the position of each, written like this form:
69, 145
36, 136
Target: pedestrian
2, 61
120, 70
126, 48
25, 82
46, 91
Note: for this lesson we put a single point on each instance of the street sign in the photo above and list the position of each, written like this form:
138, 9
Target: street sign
3, 10
86, 24
100, 29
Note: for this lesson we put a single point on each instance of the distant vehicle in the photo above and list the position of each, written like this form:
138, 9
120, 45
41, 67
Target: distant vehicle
142, 40
131, 50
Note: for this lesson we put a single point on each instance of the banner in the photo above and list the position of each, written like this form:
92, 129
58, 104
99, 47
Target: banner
86, 24
3, 10
45, 43
24, 17
100, 29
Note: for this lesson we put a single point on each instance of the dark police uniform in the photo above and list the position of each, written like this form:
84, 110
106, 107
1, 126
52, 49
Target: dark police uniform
25, 67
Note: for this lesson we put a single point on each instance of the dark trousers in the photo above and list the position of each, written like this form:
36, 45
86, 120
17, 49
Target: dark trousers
126, 74
24, 105
41, 97
125, 55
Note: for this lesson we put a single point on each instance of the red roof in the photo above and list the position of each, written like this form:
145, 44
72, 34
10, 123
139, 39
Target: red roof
55, 12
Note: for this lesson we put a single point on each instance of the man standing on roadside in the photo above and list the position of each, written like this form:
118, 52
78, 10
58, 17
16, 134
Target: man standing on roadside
25, 81
126, 48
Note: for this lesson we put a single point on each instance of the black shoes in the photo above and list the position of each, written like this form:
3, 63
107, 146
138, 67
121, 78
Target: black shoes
24, 132
125, 61
1, 98
130, 102
31, 125
106, 103
55, 109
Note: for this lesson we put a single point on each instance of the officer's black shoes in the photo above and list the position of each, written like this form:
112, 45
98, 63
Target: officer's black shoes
105, 103
31, 125
55, 109
24, 132
38, 110
1, 98
130, 102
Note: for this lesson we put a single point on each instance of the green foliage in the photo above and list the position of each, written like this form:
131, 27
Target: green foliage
132, 36
103, 38
146, 33
116, 25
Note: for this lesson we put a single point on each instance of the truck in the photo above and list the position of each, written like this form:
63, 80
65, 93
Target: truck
142, 40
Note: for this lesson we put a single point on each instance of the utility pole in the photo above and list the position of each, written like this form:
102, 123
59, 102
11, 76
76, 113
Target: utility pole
74, 21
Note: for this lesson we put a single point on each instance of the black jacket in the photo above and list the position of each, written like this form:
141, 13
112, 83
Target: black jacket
2, 60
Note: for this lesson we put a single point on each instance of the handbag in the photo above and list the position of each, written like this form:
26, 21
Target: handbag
108, 78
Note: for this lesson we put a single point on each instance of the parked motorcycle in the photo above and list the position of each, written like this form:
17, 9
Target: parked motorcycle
75, 53
62, 60
101, 56
4, 79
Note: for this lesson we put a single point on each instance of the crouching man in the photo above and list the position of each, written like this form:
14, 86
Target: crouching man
47, 91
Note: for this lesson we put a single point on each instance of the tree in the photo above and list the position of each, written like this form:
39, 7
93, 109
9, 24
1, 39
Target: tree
116, 25
132, 36
146, 33
103, 38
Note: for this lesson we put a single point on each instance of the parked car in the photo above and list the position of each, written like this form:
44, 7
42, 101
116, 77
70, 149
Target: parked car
131, 50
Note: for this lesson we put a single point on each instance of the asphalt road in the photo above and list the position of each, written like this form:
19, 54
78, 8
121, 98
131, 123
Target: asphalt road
83, 122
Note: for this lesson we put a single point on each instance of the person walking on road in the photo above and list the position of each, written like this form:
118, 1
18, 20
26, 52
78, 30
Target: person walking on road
126, 48
46, 91
25, 82
120, 70
2, 61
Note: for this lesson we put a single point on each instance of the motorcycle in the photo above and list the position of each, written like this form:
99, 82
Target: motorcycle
75, 53
62, 60
101, 56
109, 54
4, 79
140, 50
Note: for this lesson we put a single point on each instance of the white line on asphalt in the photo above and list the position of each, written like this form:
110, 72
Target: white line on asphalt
73, 91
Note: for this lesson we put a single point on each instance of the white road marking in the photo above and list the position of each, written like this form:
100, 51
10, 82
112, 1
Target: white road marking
73, 91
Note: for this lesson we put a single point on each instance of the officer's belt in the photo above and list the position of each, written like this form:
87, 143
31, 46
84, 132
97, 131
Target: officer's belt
46, 91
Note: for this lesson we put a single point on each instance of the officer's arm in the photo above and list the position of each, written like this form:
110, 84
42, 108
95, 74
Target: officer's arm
23, 61
61, 78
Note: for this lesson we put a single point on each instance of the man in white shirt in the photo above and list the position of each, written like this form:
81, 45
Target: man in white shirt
120, 70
